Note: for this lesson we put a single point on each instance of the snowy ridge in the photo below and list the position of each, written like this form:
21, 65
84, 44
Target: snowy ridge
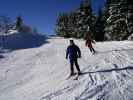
40, 73
21, 40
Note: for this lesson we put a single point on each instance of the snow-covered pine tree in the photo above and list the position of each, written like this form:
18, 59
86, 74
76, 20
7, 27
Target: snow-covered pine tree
72, 24
85, 19
62, 25
100, 26
76, 23
116, 28
130, 16
19, 23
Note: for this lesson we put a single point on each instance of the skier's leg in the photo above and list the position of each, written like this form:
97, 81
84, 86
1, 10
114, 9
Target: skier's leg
93, 50
71, 67
90, 49
77, 65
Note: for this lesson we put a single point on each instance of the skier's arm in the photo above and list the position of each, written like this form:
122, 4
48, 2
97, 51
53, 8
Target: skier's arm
79, 52
86, 43
67, 52
93, 41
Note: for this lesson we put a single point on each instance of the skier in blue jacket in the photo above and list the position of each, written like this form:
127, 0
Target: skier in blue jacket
74, 53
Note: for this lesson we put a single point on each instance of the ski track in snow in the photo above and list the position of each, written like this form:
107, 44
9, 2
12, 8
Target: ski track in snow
40, 73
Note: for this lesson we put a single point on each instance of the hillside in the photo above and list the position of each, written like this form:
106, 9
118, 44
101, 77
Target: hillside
20, 40
40, 73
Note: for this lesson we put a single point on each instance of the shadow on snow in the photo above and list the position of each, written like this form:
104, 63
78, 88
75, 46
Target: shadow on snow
22, 41
109, 70
19, 41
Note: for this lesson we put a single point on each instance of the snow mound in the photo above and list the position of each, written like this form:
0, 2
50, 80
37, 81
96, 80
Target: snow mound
41, 73
15, 40
130, 37
12, 31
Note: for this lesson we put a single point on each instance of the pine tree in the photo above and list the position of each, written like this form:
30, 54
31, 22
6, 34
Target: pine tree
62, 24
85, 19
116, 27
76, 23
100, 26
19, 23
72, 24
130, 16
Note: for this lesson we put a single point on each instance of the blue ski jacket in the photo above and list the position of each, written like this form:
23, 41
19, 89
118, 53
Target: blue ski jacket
73, 52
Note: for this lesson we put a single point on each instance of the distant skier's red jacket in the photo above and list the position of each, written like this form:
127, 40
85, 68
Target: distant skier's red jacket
89, 41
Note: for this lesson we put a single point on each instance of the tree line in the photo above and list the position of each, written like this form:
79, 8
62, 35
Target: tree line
113, 22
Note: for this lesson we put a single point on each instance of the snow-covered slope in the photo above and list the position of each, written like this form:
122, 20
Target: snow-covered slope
20, 40
40, 73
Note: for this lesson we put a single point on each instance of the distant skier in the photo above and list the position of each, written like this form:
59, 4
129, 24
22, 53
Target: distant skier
89, 42
74, 53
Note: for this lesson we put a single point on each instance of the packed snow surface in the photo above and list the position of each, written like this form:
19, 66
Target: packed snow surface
41, 73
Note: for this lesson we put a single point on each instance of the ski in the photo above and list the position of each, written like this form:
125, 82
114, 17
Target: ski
70, 76
77, 76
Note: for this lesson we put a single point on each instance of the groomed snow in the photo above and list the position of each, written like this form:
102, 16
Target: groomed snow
40, 73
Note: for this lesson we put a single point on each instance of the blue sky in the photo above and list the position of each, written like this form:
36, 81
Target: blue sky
41, 14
